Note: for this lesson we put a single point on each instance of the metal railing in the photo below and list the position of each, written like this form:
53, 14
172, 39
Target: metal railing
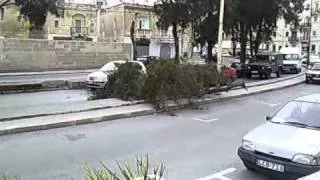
79, 31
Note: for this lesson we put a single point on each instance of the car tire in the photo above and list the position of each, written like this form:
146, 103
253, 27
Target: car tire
268, 75
278, 74
308, 81
249, 76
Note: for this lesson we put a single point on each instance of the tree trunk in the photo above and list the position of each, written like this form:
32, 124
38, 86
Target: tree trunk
133, 41
176, 42
209, 52
234, 43
243, 42
258, 39
251, 41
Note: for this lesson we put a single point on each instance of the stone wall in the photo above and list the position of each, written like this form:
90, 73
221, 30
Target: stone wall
18, 55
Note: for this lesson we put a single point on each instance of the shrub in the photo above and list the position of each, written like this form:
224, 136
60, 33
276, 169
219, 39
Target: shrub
125, 83
143, 171
167, 80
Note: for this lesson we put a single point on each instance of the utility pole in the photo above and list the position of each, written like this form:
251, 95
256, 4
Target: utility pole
310, 32
221, 17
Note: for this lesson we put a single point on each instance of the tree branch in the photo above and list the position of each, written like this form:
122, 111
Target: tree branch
6, 2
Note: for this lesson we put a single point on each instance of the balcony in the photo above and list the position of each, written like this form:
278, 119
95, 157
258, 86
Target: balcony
79, 32
164, 39
143, 34
293, 39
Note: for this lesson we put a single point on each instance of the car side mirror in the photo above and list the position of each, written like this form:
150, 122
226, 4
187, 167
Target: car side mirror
268, 118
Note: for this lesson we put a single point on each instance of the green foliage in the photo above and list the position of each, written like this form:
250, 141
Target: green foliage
167, 80
142, 171
36, 11
125, 83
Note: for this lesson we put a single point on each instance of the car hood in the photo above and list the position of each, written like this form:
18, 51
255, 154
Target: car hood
291, 62
313, 72
98, 76
284, 141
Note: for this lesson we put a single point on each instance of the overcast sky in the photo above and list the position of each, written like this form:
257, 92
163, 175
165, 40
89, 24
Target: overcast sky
114, 2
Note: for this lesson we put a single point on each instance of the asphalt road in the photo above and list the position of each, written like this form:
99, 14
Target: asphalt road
190, 147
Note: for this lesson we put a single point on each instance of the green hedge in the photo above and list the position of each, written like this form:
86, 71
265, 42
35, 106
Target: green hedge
165, 80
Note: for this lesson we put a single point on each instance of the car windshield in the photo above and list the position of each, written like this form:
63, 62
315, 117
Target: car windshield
315, 67
265, 58
292, 57
111, 66
299, 113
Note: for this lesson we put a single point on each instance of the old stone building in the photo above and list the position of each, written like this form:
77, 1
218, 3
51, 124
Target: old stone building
151, 40
79, 20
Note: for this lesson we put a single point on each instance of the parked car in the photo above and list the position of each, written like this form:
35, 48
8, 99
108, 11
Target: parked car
240, 68
98, 79
288, 143
292, 61
147, 59
313, 73
264, 64
314, 59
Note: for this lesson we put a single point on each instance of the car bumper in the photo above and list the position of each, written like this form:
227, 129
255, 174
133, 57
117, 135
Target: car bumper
290, 168
95, 85
312, 77
290, 69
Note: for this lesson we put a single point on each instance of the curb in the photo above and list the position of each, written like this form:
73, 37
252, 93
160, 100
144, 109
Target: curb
120, 115
46, 72
68, 112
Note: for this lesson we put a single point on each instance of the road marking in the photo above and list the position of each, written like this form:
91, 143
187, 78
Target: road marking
271, 104
219, 175
205, 120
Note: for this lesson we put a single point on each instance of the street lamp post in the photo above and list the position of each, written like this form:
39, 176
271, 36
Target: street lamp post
220, 33
310, 32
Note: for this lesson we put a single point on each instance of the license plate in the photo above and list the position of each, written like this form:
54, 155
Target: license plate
90, 82
270, 165
254, 72
286, 69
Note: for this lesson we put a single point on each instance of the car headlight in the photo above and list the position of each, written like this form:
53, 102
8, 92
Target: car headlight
249, 67
306, 159
263, 68
247, 145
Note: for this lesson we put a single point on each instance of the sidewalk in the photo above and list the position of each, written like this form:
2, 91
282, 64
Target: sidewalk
46, 72
96, 113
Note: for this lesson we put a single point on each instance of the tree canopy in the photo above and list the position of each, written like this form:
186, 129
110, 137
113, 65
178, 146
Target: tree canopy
246, 20
35, 11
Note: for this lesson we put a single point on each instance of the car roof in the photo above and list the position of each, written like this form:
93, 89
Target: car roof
314, 98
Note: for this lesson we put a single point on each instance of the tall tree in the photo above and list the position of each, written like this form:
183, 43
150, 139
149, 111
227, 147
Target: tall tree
257, 19
175, 14
35, 11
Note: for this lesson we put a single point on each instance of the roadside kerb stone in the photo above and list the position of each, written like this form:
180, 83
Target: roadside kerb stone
46, 72
58, 121
67, 108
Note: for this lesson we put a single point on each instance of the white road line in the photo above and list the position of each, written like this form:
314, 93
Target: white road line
206, 121
219, 175
270, 104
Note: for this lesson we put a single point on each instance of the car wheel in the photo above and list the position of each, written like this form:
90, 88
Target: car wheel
278, 74
249, 76
308, 81
268, 75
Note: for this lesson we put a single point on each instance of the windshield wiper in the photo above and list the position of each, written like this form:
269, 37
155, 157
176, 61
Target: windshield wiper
296, 124
301, 125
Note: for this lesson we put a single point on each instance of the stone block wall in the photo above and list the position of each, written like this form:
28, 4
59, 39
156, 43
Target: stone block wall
18, 55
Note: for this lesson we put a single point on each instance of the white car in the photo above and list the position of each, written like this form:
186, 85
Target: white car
288, 144
313, 73
98, 79
314, 59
